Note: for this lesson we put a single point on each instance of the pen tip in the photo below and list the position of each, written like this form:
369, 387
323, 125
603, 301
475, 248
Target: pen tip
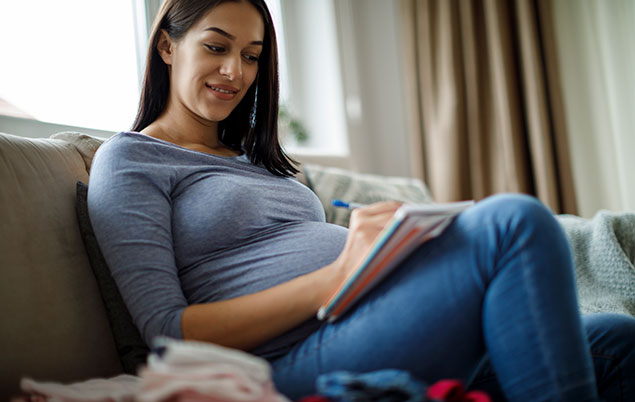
338, 203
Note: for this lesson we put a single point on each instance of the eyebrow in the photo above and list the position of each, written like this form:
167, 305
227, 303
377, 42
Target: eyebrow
230, 36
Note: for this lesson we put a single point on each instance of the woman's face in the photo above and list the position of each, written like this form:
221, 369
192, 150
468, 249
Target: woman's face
213, 65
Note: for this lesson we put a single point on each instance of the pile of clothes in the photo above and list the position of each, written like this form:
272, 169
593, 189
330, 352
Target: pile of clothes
189, 371
388, 386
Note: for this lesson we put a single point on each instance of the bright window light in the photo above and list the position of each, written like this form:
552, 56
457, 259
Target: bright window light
276, 14
70, 62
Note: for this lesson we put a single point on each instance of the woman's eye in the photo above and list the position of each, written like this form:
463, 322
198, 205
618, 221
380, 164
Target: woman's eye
215, 49
251, 58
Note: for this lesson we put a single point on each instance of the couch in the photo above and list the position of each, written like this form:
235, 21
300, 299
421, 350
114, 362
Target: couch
57, 318
54, 324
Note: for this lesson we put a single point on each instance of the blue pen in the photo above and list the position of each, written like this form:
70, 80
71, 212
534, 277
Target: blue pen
349, 205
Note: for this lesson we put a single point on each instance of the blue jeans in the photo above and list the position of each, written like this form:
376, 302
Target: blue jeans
498, 286
612, 344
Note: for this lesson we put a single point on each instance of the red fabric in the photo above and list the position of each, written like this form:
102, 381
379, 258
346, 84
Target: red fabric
453, 391
477, 396
314, 398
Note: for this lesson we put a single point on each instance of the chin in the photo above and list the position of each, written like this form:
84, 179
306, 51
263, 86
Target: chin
215, 117
218, 113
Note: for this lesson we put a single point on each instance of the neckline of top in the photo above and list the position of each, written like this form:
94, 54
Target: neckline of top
241, 157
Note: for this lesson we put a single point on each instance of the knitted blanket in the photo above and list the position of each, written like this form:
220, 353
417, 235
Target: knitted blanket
604, 253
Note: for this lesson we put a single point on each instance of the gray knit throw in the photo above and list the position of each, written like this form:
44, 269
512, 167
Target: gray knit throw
604, 252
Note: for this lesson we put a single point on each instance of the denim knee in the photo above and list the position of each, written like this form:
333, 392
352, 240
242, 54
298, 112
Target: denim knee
519, 209
612, 334
612, 342
522, 222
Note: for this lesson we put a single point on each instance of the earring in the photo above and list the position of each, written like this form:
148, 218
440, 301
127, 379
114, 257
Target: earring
252, 115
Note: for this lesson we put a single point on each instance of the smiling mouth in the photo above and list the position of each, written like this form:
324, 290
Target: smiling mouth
223, 91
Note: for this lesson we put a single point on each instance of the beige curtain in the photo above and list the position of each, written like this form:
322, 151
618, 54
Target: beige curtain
488, 95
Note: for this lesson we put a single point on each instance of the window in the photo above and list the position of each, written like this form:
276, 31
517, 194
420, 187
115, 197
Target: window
79, 63
71, 62
311, 84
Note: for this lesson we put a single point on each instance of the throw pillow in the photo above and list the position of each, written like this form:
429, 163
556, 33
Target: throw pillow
330, 183
85, 144
130, 345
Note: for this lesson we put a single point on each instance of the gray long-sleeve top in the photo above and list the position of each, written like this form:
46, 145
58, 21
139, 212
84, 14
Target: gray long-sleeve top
180, 227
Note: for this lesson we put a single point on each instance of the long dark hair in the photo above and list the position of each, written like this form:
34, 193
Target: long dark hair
252, 126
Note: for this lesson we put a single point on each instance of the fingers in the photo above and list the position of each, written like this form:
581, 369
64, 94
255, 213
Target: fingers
379, 211
374, 216
378, 208
365, 225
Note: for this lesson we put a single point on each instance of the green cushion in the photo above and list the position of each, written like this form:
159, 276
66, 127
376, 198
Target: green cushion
333, 183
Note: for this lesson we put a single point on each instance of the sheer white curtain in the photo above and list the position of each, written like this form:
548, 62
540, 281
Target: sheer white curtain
596, 45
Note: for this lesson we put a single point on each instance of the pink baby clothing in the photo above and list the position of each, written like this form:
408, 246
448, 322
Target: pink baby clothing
199, 371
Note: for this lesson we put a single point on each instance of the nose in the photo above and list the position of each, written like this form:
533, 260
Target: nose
232, 67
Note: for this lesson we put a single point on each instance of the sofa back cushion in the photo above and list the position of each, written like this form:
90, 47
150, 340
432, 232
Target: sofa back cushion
54, 326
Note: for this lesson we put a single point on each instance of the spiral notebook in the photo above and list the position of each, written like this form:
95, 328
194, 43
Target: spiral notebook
411, 225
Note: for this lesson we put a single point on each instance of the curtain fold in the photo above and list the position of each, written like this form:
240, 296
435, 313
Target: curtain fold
489, 99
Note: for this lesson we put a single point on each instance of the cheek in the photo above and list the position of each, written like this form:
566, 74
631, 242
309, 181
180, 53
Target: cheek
249, 75
182, 79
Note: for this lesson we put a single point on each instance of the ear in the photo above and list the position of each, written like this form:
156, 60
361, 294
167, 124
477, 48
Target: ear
165, 47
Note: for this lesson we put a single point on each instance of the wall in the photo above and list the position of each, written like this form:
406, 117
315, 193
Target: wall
597, 61
374, 86
39, 129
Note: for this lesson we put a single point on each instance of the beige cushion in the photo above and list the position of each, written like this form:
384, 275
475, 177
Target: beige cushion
86, 145
54, 325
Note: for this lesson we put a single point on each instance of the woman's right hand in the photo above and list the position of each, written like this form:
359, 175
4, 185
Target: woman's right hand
365, 225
